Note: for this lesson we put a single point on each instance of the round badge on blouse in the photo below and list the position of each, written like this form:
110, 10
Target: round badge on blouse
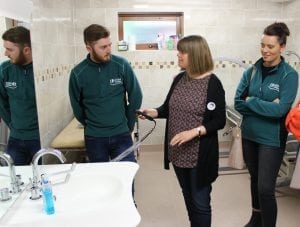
211, 106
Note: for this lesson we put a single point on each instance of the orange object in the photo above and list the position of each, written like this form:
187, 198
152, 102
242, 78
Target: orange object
292, 121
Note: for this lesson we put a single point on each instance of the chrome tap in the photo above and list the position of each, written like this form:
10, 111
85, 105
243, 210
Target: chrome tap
12, 173
35, 160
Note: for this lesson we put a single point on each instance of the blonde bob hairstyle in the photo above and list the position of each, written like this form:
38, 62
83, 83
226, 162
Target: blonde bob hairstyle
199, 56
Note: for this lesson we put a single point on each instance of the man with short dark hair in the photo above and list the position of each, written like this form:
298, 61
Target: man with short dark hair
104, 94
17, 96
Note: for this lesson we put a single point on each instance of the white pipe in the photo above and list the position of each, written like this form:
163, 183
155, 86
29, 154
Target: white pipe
290, 52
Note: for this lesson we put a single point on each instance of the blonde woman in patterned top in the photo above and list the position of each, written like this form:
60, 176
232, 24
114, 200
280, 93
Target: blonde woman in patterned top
195, 111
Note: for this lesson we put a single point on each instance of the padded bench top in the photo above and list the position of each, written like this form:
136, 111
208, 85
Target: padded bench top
70, 137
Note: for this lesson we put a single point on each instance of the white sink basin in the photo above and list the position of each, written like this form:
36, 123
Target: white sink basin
97, 194
5, 183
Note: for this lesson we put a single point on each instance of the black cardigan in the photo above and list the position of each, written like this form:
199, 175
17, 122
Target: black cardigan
214, 119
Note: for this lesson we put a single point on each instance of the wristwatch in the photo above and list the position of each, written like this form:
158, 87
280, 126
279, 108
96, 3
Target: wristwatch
199, 131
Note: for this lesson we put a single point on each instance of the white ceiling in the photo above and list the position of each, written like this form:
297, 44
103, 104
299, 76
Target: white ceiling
16, 9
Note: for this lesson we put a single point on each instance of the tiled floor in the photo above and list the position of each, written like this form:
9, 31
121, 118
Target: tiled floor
160, 201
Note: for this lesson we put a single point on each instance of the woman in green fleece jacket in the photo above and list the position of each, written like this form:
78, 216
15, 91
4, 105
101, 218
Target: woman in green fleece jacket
264, 96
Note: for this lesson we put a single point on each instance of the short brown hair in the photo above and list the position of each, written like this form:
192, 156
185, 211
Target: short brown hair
199, 55
18, 35
94, 32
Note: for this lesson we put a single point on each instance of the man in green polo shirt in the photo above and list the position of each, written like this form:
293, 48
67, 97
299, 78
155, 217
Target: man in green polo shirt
17, 96
104, 94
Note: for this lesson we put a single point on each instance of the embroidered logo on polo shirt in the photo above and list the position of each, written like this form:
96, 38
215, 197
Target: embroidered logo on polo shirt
116, 81
11, 85
274, 87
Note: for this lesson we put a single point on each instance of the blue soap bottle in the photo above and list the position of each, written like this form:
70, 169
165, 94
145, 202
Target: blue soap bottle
47, 194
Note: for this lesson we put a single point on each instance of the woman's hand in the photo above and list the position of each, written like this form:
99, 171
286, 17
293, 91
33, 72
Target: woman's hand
150, 112
184, 137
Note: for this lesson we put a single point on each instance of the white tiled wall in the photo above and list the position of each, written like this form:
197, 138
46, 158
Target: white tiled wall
232, 28
2, 30
3, 128
52, 35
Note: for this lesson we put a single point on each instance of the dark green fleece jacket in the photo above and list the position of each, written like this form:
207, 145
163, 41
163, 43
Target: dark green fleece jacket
17, 100
263, 119
104, 96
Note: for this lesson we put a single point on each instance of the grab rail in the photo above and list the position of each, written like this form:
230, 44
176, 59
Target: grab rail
234, 117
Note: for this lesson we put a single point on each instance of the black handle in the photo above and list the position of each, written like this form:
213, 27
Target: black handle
144, 115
